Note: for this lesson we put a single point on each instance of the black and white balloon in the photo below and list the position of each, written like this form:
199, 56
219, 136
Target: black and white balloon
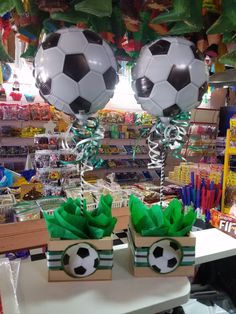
80, 260
75, 70
170, 76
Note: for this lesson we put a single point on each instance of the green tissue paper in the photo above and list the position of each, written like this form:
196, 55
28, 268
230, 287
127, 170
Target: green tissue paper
154, 221
70, 222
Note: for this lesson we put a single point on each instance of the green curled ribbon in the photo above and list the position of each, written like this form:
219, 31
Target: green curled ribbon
167, 134
86, 138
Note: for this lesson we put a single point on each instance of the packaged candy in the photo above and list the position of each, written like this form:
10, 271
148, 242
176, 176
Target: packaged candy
24, 112
129, 118
35, 111
45, 113
10, 111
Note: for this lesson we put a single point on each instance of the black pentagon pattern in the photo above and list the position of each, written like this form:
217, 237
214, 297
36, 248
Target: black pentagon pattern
80, 270
80, 104
202, 90
96, 262
51, 41
172, 262
75, 66
66, 259
174, 245
44, 87
179, 77
197, 53
83, 252
110, 78
92, 37
171, 111
157, 269
158, 252
144, 87
161, 47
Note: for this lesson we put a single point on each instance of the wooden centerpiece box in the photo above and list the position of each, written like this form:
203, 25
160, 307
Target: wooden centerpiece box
161, 256
80, 245
86, 259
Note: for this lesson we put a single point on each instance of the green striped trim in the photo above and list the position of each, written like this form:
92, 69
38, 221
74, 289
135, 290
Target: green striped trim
141, 260
54, 259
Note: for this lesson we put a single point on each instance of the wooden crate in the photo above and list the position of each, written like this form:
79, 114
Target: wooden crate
57, 249
142, 254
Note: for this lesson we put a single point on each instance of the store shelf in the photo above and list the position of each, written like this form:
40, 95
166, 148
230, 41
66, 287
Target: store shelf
120, 169
120, 156
12, 159
16, 141
131, 126
23, 123
129, 141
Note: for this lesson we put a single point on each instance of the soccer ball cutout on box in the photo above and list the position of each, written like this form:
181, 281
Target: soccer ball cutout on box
165, 256
170, 77
80, 260
75, 70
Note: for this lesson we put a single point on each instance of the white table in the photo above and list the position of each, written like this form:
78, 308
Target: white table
124, 294
213, 244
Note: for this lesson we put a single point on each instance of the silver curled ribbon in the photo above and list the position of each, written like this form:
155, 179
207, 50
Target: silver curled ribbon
167, 133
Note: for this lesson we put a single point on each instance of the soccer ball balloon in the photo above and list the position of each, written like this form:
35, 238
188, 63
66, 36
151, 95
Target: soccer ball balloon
165, 256
75, 70
80, 260
170, 76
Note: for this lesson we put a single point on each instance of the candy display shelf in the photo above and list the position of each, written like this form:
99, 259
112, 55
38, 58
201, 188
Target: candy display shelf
123, 156
119, 169
22, 123
129, 125
14, 159
16, 141
128, 141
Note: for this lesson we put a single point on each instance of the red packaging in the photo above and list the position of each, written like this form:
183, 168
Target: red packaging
223, 222
16, 96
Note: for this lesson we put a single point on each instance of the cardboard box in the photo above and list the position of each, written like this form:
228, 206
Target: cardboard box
161, 256
70, 260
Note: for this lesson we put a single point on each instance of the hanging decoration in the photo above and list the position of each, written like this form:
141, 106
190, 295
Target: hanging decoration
127, 25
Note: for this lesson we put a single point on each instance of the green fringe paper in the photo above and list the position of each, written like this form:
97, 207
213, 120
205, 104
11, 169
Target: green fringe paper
70, 222
154, 221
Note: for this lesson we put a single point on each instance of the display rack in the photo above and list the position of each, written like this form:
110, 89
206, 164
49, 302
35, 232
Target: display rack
229, 151
202, 133
125, 156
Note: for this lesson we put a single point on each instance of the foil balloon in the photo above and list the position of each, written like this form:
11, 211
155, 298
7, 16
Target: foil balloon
170, 77
75, 70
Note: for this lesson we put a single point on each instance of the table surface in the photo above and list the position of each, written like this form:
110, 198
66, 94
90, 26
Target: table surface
213, 244
124, 294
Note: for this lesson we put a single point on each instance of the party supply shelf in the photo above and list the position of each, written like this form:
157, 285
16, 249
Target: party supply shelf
229, 176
